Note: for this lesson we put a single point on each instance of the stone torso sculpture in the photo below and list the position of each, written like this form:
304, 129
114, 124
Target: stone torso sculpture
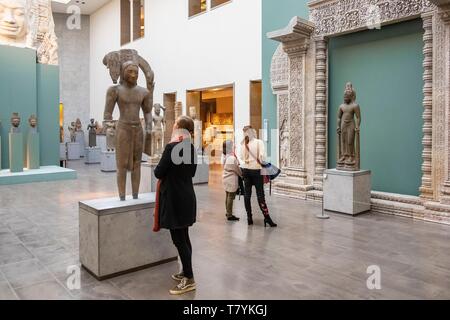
15, 123
197, 129
130, 98
349, 121
92, 127
110, 135
78, 125
33, 124
157, 131
72, 129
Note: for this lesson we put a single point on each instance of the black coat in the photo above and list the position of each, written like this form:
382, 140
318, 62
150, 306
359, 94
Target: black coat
177, 201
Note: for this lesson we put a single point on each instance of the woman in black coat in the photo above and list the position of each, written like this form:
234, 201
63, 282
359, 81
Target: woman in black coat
177, 201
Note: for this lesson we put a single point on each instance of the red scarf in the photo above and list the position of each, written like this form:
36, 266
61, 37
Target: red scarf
156, 225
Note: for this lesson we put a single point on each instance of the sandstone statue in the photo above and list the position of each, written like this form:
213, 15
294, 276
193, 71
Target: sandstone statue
130, 98
33, 123
92, 128
158, 131
198, 131
29, 23
15, 123
349, 121
78, 125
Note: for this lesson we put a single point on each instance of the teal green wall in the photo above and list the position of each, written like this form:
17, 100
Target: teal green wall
29, 88
276, 15
48, 113
385, 67
17, 91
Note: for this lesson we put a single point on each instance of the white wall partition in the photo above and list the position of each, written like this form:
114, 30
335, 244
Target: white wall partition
220, 46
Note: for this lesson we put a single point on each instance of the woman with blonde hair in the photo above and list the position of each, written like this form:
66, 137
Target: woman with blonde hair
252, 155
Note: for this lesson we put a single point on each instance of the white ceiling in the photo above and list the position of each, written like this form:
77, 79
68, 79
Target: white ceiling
89, 6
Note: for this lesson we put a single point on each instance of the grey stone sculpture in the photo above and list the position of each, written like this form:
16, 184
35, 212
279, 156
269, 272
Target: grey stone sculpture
15, 123
197, 129
348, 129
158, 131
130, 98
92, 128
72, 131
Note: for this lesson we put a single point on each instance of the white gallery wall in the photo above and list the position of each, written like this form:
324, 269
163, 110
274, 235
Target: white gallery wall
221, 46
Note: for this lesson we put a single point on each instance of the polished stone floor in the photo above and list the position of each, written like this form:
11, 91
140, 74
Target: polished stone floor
304, 258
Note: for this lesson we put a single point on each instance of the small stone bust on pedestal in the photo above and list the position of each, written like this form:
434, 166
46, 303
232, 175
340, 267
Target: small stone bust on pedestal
92, 127
33, 152
33, 124
15, 123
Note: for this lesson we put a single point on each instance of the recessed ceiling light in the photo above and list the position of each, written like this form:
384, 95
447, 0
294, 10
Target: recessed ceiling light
62, 1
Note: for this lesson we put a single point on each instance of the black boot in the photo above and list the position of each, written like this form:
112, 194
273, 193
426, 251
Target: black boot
249, 219
268, 221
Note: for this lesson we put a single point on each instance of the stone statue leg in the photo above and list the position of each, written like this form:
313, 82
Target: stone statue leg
351, 143
137, 157
122, 157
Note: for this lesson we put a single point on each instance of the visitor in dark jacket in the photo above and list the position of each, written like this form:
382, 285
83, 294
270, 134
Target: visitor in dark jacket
177, 201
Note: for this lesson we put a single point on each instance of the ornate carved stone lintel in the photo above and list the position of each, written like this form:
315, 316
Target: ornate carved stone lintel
334, 17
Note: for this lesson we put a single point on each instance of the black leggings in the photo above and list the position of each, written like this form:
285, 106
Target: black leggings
254, 178
180, 238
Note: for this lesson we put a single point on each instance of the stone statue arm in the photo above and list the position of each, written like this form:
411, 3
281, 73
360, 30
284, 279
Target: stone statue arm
111, 99
358, 117
339, 120
147, 109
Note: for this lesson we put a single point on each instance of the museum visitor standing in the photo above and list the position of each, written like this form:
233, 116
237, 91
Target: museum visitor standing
230, 178
252, 155
177, 203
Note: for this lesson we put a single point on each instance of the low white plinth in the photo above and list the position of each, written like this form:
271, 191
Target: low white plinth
79, 137
108, 161
116, 236
62, 151
93, 155
202, 173
73, 151
347, 191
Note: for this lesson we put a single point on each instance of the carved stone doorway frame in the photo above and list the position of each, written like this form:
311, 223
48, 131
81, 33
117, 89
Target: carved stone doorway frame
331, 18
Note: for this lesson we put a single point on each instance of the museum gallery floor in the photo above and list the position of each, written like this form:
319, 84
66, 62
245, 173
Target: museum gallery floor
304, 258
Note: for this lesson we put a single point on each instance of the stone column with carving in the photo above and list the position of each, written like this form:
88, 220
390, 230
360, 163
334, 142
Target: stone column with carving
320, 153
426, 190
295, 40
444, 14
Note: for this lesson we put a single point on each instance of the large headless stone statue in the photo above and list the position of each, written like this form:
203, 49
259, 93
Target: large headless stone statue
158, 131
349, 121
197, 129
130, 98
29, 23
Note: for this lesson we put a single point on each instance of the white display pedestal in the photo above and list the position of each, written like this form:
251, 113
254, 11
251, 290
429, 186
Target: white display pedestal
108, 161
79, 137
93, 155
347, 191
202, 173
62, 152
73, 151
116, 236
101, 141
